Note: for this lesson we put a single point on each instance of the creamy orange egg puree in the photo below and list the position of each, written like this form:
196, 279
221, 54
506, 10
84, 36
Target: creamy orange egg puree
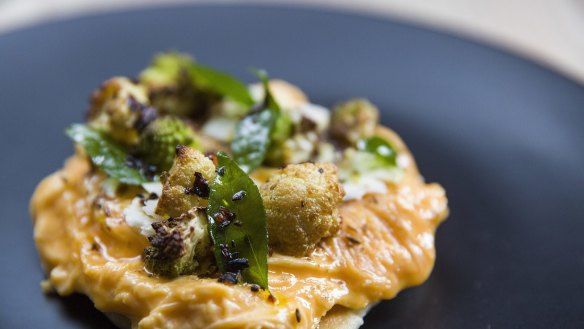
385, 245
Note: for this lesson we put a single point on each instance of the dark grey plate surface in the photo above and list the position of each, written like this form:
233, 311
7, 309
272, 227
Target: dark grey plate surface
504, 136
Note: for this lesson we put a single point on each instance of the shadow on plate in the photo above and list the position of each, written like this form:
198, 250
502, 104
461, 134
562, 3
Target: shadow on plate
79, 309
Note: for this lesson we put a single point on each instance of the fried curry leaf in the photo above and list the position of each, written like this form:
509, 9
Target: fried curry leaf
255, 132
382, 149
222, 83
252, 138
237, 223
105, 153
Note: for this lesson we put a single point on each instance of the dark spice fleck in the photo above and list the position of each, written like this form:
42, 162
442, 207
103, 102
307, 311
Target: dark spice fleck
228, 277
352, 240
200, 186
254, 287
271, 298
236, 265
238, 196
220, 171
298, 315
94, 246
320, 170
302, 203
225, 251
224, 217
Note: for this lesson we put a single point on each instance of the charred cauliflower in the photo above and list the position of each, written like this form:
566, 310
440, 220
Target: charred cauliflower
354, 120
186, 185
179, 246
159, 140
301, 203
120, 108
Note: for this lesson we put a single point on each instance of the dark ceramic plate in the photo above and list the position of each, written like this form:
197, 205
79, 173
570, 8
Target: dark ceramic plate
503, 135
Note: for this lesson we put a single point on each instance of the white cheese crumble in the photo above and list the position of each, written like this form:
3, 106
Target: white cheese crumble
153, 188
220, 128
355, 190
141, 217
320, 115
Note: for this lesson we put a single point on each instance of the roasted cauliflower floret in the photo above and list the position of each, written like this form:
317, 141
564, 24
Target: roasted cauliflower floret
171, 87
159, 140
120, 108
179, 246
354, 120
186, 185
301, 203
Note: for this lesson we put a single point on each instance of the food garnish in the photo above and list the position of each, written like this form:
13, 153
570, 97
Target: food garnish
237, 223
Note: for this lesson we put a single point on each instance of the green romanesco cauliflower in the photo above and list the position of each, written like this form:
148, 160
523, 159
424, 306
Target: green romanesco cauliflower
179, 246
158, 142
171, 87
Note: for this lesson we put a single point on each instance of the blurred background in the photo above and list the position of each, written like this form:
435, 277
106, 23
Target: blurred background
548, 31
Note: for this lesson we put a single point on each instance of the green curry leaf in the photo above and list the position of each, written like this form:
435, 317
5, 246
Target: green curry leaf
382, 149
105, 153
243, 230
222, 83
252, 138
255, 132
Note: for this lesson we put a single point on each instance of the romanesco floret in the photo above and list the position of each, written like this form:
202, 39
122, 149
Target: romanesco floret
171, 87
159, 140
121, 109
354, 120
179, 246
302, 206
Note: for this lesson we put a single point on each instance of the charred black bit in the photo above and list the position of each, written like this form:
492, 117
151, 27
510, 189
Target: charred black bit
238, 196
237, 264
303, 203
234, 264
94, 246
254, 287
320, 170
179, 149
307, 125
200, 186
298, 315
220, 171
147, 170
224, 217
147, 113
352, 240
228, 277
168, 243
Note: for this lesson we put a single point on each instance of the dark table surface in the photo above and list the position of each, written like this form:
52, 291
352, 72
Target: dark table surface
503, 135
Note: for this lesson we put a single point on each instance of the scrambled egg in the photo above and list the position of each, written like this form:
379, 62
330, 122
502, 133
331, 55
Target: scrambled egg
385, 243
